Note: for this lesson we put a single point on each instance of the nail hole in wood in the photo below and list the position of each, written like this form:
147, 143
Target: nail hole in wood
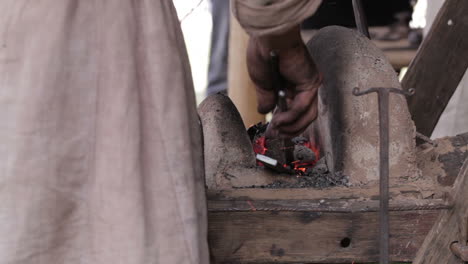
345, 242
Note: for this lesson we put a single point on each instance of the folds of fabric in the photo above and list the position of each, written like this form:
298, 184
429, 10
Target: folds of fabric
100, 146
270, 17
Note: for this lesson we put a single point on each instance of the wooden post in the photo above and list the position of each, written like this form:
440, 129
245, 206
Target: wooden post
451, 226
240, 88
439, 65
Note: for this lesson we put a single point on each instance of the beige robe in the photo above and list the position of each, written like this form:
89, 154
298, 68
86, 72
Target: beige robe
100, 145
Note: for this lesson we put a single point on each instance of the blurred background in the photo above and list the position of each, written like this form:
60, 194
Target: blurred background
397, 27
195, 17
394, 27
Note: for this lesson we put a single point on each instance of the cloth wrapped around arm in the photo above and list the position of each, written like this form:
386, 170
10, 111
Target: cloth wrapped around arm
272, 17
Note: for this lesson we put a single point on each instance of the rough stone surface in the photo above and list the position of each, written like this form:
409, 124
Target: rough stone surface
347, 126
442, 160
229, 157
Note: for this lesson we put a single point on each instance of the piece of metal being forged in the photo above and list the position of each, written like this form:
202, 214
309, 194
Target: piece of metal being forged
274, 164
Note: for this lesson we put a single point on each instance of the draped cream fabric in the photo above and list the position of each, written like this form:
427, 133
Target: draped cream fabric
100, 146
270, 17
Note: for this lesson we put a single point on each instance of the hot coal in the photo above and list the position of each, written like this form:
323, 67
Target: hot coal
311, 172
311, 181
316, 177
304, 154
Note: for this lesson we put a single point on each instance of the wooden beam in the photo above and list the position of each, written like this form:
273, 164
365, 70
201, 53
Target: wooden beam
414, 189
313, 237
325, 205
335, 225
451, 226
439, 65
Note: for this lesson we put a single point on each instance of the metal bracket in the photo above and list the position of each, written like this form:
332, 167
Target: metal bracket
460, 251
425, 139
383, 95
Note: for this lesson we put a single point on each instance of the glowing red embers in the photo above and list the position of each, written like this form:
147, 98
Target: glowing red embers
299, 166
259, 146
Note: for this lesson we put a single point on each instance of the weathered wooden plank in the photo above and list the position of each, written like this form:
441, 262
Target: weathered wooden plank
313, 237
449, 227
325, 205
439, 65
313, 234
416, 189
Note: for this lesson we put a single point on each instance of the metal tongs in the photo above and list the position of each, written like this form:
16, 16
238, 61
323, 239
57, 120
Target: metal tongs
286, 147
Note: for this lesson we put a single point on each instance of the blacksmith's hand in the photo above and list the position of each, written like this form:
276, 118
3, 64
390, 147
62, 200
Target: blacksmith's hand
301, 81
